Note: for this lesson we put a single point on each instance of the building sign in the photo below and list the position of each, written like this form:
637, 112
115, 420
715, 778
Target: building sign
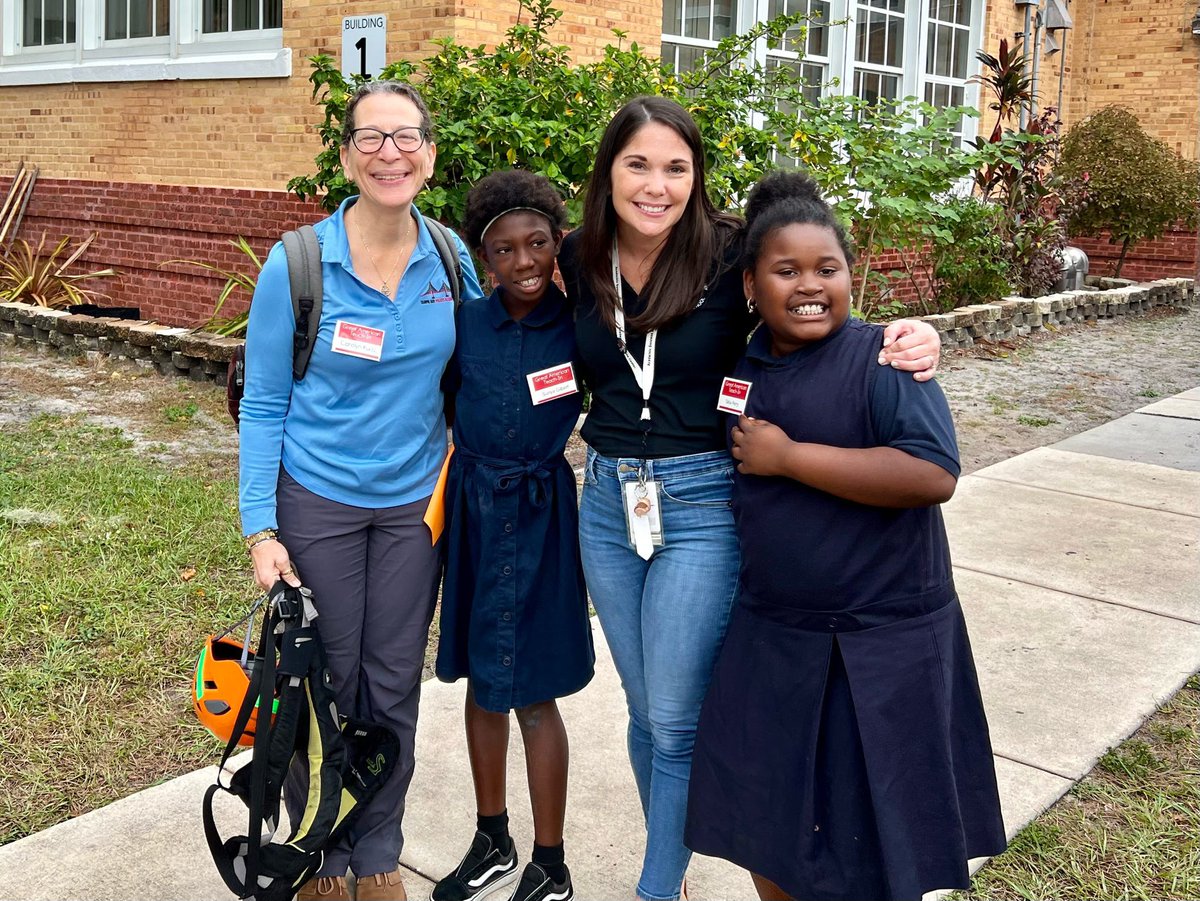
364, 45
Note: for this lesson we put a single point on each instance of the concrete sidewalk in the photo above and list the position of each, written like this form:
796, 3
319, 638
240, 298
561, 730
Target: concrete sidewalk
1078, 566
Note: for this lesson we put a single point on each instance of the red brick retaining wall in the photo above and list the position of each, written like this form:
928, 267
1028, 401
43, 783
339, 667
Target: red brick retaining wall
140, 227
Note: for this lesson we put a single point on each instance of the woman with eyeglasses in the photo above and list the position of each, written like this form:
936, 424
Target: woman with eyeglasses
337, 469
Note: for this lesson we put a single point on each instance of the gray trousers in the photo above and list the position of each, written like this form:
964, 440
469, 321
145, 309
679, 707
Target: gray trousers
373, 574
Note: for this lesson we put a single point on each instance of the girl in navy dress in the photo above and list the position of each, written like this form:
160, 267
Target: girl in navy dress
514, 615
842, 750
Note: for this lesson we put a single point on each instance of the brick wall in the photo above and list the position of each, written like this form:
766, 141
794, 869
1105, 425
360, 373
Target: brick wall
1140, 54
586, 26
1172, 255
140, 227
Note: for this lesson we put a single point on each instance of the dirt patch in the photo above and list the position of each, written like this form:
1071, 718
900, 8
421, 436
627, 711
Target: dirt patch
1014, 396
1007, 398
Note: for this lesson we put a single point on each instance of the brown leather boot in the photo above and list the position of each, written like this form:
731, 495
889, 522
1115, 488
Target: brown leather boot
324, 888
381, 887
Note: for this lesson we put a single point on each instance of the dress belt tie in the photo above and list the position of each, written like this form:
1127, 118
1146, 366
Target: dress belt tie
507, 475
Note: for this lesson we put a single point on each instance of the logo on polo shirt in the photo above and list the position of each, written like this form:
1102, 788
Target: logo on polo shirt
437, 295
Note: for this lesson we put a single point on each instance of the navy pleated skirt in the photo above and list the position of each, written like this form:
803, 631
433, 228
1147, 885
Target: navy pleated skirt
843, 762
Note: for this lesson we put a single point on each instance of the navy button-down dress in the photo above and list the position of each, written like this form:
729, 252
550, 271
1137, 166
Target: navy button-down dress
843, 751
514, 609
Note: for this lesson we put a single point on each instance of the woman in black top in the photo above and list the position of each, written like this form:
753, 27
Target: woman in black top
661, 319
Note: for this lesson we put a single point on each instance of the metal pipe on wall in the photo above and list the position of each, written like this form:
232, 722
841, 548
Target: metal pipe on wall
1037, 50
1029, 6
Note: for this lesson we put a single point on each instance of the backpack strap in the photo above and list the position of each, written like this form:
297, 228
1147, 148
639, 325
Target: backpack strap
303, 253
443, 240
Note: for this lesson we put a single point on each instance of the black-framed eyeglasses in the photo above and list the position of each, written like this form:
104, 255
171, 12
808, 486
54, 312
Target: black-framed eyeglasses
370, 140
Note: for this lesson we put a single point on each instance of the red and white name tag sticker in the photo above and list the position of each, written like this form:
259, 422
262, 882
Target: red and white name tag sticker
733, 396
357, 340
552, 382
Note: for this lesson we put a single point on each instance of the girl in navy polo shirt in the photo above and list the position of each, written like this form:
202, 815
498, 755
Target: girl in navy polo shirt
514, 610
842, 751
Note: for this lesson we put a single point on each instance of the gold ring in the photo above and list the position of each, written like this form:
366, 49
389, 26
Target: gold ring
286, 572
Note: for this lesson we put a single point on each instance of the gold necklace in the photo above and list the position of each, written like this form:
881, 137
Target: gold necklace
386, 289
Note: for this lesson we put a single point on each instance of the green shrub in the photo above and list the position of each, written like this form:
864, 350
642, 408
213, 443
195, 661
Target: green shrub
1135, 185
973, 266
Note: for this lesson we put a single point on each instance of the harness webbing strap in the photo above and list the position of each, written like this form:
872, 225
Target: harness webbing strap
348, 759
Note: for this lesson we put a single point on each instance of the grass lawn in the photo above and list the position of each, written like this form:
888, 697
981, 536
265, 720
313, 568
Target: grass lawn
113, 571
1129, 830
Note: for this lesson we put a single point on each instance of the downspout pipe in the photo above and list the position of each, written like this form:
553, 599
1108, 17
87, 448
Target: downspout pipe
1030, 6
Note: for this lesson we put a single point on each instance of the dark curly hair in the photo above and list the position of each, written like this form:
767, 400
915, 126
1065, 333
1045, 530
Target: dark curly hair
784, 198
509, 189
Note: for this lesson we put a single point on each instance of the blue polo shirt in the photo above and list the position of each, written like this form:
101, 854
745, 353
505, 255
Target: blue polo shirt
359, 431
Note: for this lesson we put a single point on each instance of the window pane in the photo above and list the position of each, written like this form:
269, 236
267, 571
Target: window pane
672, 16
942, 61
272, 13
70, 21
876, 39
32, 32
895, 42
875, 86
245, 15
695, 21
162, 17
53, 22
964, 12
140, 19
961, 40
684, 58
818, 37
722, 19
115, 26
930, 47
215, 16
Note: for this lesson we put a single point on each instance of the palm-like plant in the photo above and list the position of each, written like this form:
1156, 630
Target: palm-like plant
32, 276
230, 326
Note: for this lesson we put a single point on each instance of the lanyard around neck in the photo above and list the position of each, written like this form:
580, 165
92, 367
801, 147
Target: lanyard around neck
643, 374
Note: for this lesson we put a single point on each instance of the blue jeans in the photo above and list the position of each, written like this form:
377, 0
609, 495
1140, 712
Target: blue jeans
664, 620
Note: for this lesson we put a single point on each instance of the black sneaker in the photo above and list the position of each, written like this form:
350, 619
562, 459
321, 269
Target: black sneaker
536, 885
483, 871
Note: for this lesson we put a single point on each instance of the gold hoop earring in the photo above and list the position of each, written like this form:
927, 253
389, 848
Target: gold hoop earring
751, 306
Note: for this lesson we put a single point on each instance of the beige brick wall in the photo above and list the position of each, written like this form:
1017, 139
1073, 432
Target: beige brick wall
1135, 53
1140, 54
256, 133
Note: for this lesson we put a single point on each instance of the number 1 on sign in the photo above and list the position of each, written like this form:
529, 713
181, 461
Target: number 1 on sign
361, 47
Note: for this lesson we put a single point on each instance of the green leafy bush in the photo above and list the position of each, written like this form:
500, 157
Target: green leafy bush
1136, 186
972, 267
893, 173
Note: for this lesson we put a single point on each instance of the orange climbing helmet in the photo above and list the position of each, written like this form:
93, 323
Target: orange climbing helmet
222, 681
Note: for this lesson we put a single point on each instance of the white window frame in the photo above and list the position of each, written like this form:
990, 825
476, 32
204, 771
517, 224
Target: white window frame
184, 54
840, 62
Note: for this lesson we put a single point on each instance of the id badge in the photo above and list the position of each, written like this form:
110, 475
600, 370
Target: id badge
734, 395
551, 382
355, 340
643, 517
